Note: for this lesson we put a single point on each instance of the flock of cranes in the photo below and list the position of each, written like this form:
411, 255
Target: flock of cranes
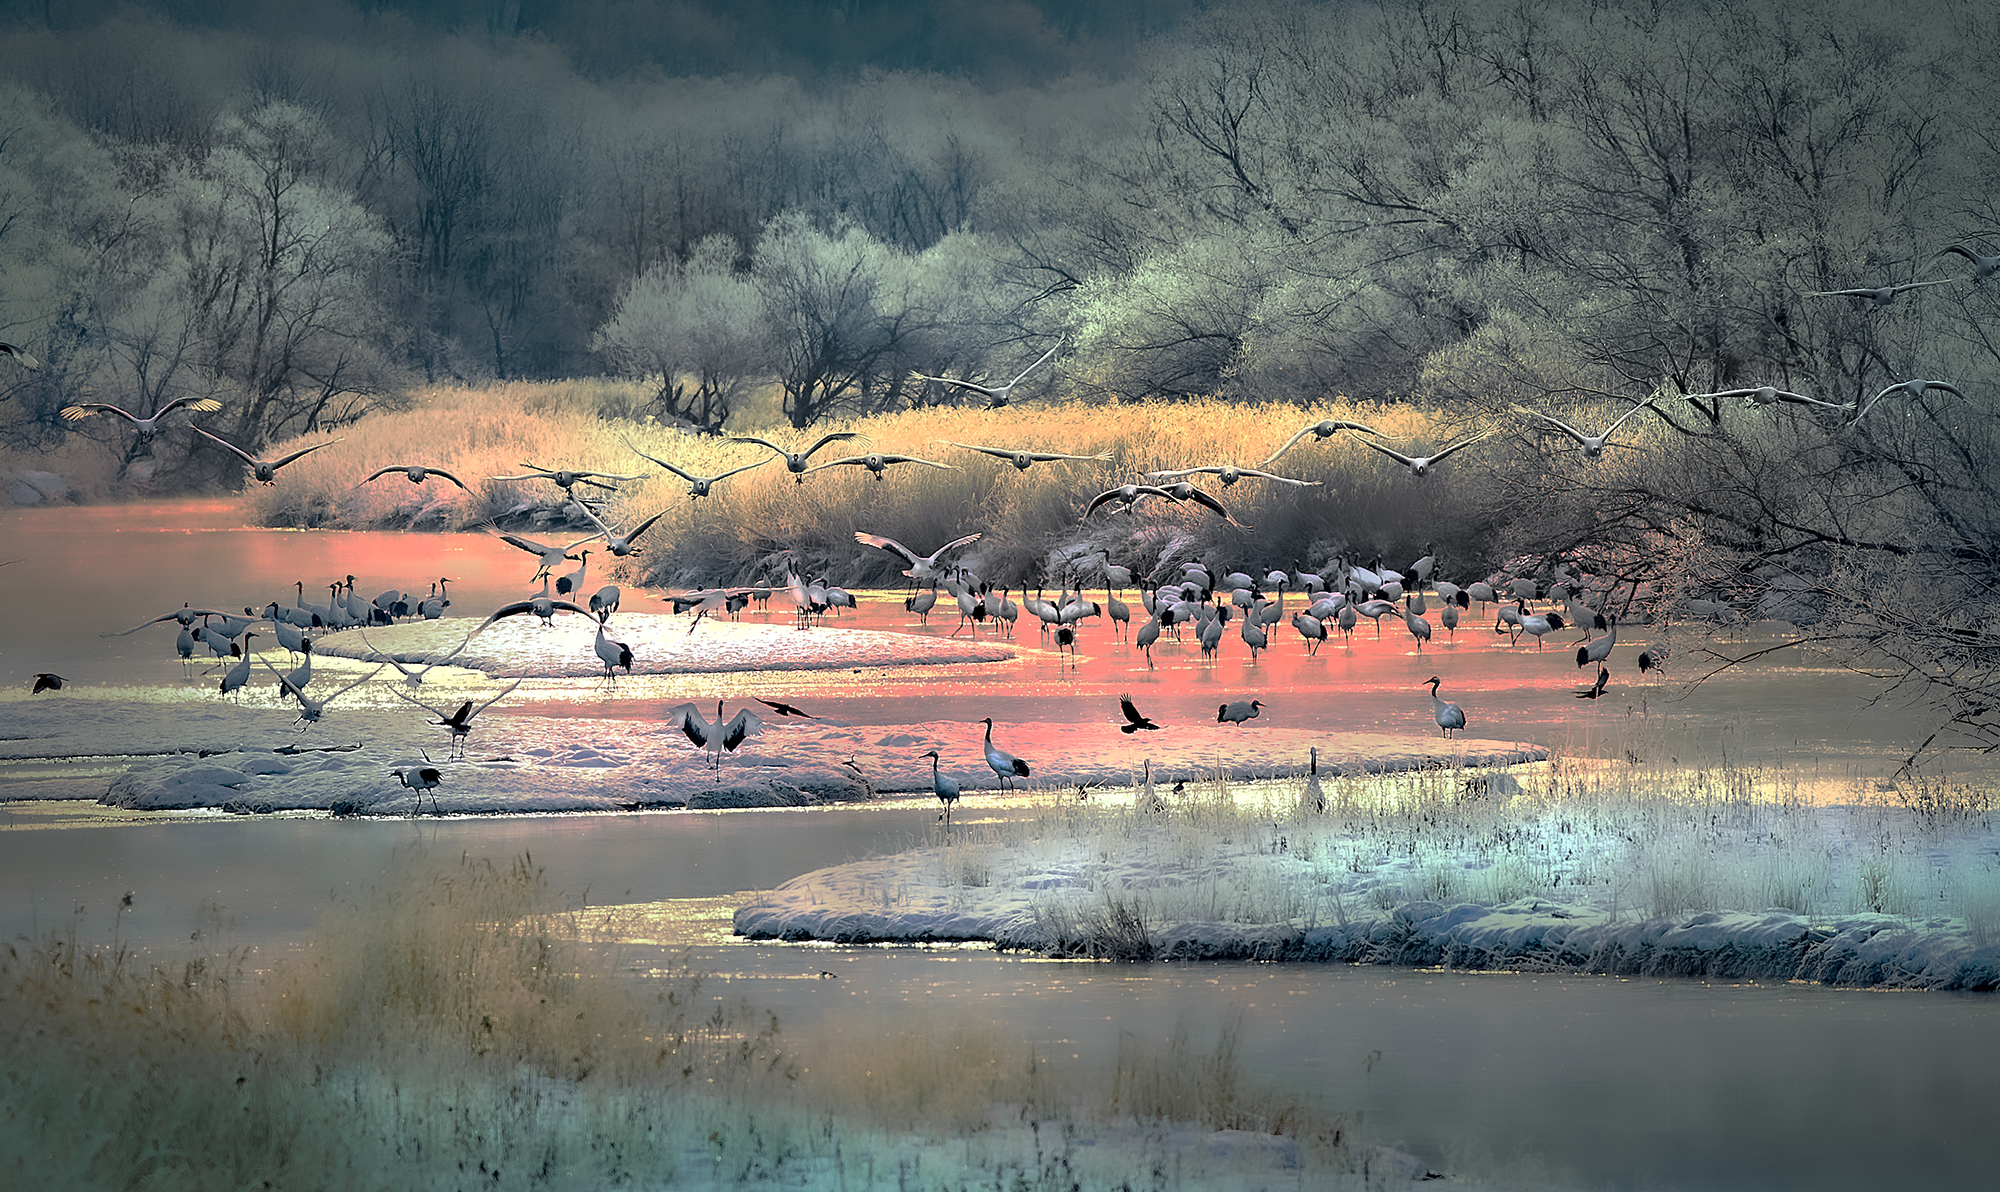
1203, 603
1200, 601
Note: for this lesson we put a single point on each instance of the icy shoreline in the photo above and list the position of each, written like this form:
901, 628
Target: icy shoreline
522, 647
1155, 893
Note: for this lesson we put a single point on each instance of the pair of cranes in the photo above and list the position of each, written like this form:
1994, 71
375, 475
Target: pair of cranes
1005, 766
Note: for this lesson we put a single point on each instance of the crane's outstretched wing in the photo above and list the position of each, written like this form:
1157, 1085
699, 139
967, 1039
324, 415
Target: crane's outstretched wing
1032, 367
246, 456
302, 452
528, 606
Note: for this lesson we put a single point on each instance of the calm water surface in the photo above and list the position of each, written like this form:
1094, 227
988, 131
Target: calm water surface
1603, 1082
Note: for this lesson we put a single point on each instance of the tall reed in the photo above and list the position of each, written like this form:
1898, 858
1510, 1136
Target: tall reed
471, 1027
1032, 524
458, 1030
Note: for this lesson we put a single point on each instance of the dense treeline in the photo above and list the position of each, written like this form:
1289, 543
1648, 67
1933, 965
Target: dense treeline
1480, 207
1477, 202
486, 204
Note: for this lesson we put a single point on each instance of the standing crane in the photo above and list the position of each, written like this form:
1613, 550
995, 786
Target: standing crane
1449, 716
944, 787
1004, 764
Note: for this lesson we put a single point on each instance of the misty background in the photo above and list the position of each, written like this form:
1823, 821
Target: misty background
301, 208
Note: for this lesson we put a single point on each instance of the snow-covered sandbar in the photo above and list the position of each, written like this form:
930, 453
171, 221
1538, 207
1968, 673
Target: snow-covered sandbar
1472, 879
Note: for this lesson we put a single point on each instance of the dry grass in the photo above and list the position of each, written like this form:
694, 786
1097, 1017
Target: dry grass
466, 1029
456, 1030
1186, 1083
1030, 521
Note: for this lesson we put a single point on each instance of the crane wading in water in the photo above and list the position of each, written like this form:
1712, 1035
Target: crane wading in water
1004, 764
1449, 716
944, 787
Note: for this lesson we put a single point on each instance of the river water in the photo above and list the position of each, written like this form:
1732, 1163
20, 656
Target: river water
1596, 1082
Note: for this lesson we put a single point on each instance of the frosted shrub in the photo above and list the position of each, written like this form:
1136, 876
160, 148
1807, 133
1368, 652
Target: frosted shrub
1792, 879
1978, 899
1882, 885
1436, 881
1109, 925
1510, 878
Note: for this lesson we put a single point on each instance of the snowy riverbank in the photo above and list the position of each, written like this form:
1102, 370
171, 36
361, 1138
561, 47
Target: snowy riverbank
1645, 884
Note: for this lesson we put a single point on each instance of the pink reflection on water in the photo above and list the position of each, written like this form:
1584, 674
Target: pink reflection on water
1768, 714
86, 571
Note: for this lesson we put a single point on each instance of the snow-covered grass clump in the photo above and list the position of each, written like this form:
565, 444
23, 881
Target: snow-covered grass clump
1574, 866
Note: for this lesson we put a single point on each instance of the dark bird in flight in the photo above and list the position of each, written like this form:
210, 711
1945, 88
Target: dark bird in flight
1326, 428
875, 463
417, 473
459, 722
995, 395
698, 486
264, 469
1420, 465
1591, 445
1134, 719
1230, 473
1983, 266
200, 405
795, 461
565, 478
545, 607
1915, 387
1021, 457
1880, 295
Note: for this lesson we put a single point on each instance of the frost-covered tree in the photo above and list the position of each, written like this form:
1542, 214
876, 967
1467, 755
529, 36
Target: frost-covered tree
59, 203
249, 274
841, 311
695, 331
